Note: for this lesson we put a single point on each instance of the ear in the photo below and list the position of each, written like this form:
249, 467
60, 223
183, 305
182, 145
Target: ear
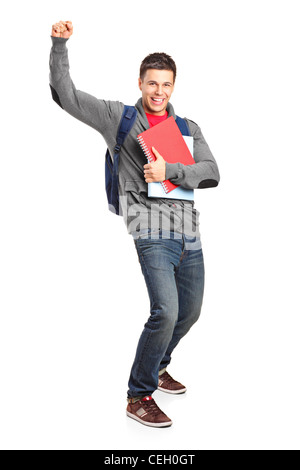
140, 84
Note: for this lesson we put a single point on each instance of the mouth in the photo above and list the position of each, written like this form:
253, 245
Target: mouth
157, 101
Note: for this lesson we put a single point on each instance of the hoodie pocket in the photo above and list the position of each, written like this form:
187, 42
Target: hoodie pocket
138, 190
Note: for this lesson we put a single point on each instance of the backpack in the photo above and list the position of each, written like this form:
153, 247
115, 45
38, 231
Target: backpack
112, 164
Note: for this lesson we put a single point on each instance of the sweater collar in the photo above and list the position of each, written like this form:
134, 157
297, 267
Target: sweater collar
142, 114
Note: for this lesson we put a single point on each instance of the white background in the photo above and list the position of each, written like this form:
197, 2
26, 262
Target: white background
68, 335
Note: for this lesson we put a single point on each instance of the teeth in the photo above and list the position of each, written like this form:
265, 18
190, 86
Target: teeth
158, 100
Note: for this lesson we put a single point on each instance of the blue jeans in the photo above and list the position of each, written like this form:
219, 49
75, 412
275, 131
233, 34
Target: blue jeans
173, 269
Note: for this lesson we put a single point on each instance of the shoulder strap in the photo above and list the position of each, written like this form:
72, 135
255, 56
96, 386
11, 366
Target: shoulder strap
126, 123
182, 124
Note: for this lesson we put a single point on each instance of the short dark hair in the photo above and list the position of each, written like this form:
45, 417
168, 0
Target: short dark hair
159, 61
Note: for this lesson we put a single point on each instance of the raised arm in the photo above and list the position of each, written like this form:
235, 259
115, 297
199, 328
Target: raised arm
204, 173
102, 115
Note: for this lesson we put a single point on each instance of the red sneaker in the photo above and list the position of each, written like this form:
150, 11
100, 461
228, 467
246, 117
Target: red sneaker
147, 412
167, 384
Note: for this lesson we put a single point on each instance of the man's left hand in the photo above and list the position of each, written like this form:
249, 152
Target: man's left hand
155, 171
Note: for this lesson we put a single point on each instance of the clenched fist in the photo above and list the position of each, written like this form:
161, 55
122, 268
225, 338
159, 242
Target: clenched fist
62, 29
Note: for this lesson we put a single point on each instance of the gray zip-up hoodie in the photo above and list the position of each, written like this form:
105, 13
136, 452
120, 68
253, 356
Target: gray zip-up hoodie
139, 211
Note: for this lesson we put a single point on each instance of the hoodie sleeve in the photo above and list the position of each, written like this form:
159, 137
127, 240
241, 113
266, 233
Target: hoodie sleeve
99, 114
204, 173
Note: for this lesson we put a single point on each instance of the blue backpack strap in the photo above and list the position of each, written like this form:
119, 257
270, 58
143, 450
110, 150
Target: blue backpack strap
125, 126
126, 123
183, 126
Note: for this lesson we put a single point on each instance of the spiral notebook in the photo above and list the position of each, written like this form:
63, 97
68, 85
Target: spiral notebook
169, 142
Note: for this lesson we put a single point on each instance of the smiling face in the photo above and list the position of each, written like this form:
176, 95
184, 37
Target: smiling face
157, 87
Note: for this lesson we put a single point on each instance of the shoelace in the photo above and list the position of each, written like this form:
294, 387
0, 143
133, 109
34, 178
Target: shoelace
167, 378
151, 407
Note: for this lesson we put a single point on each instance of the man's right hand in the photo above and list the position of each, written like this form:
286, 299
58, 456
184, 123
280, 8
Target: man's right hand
62, 29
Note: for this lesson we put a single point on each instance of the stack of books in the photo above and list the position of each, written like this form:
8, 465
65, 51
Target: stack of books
167, 139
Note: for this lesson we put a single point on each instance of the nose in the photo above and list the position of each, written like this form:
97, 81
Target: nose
159, 90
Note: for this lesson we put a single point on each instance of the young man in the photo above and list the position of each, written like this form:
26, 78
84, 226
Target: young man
165, 231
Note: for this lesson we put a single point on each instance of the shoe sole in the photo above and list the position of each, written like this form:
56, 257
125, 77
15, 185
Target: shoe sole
173, 392
153, 425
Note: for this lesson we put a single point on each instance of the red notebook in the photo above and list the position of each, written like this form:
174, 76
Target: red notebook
168, 141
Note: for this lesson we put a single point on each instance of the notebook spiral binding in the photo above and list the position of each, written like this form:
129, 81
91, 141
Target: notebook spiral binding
150, 158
